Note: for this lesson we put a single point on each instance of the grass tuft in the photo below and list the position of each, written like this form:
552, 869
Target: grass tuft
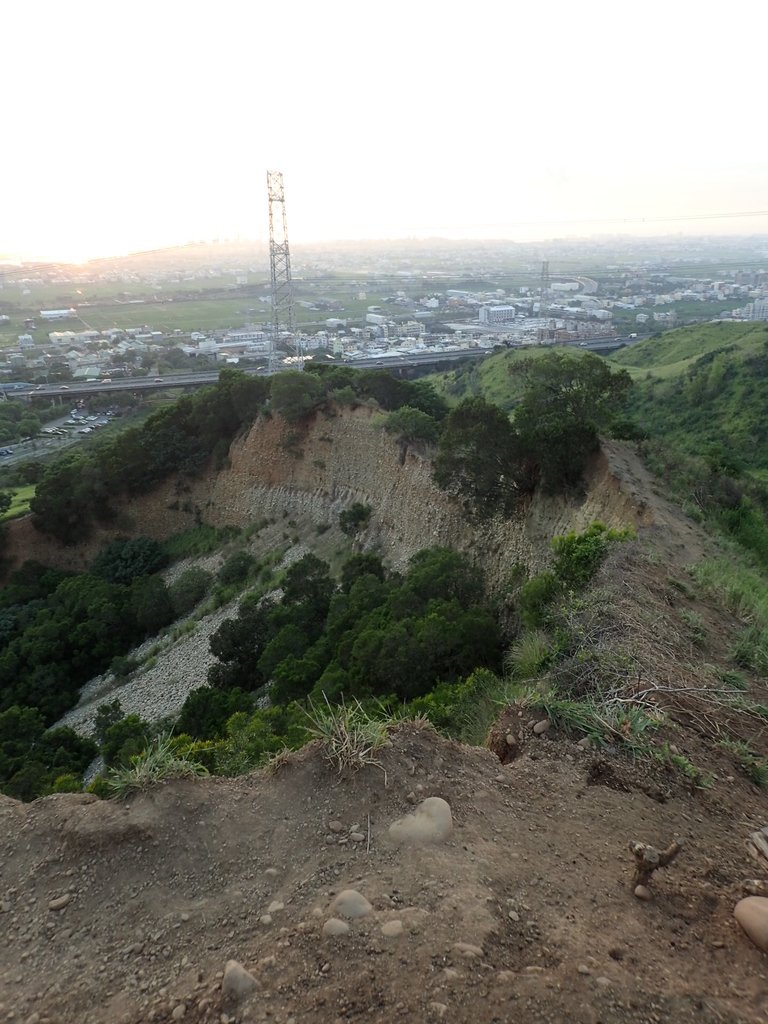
159, 762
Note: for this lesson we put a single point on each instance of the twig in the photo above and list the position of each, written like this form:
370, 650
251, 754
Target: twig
368, 844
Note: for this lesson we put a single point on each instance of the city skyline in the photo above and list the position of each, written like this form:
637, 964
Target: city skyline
139, 126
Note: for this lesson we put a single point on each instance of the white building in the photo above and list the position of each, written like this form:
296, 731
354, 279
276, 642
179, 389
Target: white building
57, 314
497, 314
759, 309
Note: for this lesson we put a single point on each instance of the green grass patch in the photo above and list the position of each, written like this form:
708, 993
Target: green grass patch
198, 540
20, 502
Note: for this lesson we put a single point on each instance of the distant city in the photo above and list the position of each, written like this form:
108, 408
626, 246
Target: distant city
199, 306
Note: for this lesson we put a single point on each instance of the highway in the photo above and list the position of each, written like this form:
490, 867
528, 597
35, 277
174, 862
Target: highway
81, 389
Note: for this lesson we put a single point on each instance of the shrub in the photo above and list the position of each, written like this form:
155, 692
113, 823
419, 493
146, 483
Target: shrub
188, 590
579, 556
124, 560
236, 568
355, 518
535, 597
160, 761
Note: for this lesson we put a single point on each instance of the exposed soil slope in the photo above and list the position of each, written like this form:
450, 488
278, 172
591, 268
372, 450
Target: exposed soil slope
339, 459
534, 881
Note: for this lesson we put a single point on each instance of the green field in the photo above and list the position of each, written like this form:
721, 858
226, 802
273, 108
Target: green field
672, 353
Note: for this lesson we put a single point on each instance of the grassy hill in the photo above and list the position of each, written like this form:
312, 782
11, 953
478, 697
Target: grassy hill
703, 386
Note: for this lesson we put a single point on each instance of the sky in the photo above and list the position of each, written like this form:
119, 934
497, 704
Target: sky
134, 125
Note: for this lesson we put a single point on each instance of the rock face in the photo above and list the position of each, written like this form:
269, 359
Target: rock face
431, 822
752, 915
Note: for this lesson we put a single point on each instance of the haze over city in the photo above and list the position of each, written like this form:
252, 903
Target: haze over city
142, 125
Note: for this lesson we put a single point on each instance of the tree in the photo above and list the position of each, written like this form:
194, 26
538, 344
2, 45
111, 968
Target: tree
295, 395
188, 590
567, 401
5, 501
411, 425
480, 460
355, 518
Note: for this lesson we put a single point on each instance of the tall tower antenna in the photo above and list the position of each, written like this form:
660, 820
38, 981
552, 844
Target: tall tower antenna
280, 270
544, 296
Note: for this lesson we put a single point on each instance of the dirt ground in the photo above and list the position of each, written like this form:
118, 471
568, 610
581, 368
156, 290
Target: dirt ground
525, 911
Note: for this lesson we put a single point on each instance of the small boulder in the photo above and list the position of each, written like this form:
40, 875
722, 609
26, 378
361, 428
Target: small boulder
352, 904
431, 822
752, 915
237, 982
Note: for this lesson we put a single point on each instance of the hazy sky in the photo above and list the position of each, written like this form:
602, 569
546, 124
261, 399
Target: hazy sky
131, 125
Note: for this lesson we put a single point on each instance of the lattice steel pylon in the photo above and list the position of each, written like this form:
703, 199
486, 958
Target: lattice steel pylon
544, 297
280, 271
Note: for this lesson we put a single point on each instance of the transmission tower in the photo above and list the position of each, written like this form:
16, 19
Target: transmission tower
544, 296
280, 270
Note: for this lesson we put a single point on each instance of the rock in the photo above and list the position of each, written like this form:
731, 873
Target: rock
450, 974
467, 949
602, 981
237, 983
431, 822
583, 969
504, 976
357, 837
643, 893
513, 915
510, 740
60, 902
541, 727
752, 915
179, 1011
350, 903
275, 906
335, 826
392, 929
265, 919
271, 872
335, 927
438, 1009
411, 798
584, 743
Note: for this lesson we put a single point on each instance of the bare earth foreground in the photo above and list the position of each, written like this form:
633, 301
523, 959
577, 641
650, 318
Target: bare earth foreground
523, 912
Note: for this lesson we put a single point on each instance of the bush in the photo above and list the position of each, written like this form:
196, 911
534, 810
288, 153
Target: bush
535, 598
355, 518
578, 556
188, 590
124, 560
236, 568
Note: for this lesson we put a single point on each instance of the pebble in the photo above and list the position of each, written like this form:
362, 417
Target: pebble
431, 822
335, 826
643, 892
265, 919
583, 969
438, 1009
392, 929
356, 837
513, 915
541, 727
350, 903
275, 906
603, 981
237, 983
584, 743
60, 902
335, 927
271, 872
179, 1011
752, 915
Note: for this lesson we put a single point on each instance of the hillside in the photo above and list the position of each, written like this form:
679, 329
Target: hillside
616, 692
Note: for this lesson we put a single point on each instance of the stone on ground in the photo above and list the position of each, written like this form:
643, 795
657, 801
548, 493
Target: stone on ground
334, 926
237, 983
392, 929
431, 822
351, 903
752, 915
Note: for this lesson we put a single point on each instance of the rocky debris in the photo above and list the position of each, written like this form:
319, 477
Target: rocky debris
237, 982
752, 915
335, 927
352, 904
431, 822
